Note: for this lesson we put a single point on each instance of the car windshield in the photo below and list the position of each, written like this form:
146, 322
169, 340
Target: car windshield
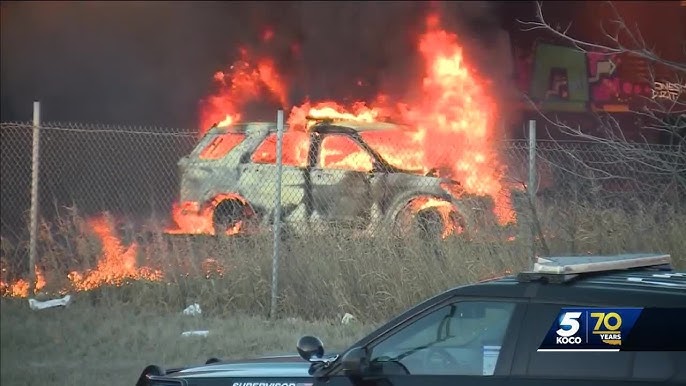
401, 149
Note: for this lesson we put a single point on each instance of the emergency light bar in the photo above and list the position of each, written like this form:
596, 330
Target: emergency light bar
565, 268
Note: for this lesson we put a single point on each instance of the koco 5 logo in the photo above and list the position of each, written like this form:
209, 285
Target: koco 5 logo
569, 328
605, 325
591, 328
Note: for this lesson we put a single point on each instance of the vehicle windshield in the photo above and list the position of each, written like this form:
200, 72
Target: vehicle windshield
400, 149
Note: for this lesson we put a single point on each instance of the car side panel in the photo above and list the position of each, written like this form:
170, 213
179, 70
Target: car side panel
201, 180
341, 195
254, 184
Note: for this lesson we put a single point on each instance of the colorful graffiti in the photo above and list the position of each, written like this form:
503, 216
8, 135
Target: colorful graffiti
560, 78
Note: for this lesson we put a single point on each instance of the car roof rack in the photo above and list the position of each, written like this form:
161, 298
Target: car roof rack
562, 269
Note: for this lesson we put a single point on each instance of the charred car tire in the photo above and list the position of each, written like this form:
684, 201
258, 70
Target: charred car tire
426, 224
227, 215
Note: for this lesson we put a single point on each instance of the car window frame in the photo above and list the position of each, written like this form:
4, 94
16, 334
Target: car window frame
214, 139
353, 138
265, 139
508, 346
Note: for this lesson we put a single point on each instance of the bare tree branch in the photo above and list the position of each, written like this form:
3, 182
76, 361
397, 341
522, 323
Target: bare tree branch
637, 45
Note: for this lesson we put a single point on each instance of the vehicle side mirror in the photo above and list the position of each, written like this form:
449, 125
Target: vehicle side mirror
310, 347
149, 370
355, 362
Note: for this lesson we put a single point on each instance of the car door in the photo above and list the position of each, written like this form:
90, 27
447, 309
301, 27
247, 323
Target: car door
258, 177
459, 342
340, 180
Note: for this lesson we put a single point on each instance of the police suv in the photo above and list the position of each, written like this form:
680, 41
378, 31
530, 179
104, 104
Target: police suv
600, 320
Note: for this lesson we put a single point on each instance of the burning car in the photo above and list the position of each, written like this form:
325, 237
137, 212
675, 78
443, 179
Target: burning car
333, 172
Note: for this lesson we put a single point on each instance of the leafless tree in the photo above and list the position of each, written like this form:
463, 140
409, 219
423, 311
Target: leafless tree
664, 113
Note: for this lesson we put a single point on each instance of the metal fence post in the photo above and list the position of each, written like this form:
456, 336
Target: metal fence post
531, 190
277, 212
35, 163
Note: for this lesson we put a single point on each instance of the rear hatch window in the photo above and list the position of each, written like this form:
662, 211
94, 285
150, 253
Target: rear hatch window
220, 145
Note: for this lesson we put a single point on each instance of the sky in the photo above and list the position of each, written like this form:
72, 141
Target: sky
149, 63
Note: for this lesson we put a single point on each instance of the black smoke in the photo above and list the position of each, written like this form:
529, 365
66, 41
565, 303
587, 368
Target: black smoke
150, 63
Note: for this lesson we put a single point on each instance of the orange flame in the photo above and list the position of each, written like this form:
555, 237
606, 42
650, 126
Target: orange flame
460, 115
359, 112
190, 218
116, 263
451, 132
444, 208
453, 123
116, 266
20, 288
241, 84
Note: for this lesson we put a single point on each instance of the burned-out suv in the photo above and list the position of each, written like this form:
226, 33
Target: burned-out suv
330, 174
586, 320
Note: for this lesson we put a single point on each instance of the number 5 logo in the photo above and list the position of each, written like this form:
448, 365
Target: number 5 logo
569, 325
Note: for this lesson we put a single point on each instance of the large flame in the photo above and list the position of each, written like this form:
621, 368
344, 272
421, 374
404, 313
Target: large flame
449, 129
242, 83
458, 118
452, 125
116, 264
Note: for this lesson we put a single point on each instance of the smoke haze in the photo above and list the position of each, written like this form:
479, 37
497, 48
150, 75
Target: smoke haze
150, 63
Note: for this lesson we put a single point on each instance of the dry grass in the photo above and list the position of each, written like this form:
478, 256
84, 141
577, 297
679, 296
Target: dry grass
114, 331
86, 345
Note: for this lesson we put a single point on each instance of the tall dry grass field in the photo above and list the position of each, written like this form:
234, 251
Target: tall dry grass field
110, 333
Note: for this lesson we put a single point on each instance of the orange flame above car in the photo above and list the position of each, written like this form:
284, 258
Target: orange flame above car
243, 82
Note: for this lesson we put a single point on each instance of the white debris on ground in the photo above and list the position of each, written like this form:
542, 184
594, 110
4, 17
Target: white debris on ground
41, 305
202, 333
347, 318
193, 310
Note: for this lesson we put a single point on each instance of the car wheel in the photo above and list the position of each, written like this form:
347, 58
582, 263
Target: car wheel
229, 217
430, 223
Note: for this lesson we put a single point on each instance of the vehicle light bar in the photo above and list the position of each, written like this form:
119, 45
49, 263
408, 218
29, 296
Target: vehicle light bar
564, 268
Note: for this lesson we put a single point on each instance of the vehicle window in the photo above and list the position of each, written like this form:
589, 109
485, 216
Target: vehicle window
221, 145
396, 148
342, 152
462, 338
294, 149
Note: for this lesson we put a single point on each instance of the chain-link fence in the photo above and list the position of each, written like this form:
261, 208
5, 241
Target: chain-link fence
179, 183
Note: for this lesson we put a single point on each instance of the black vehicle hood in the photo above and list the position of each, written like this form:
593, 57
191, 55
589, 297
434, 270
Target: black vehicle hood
286, 366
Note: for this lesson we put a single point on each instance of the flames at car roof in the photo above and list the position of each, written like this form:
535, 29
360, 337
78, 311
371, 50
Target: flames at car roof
321, 124
358, 126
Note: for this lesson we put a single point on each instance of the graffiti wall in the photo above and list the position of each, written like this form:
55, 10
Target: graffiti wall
560, 78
